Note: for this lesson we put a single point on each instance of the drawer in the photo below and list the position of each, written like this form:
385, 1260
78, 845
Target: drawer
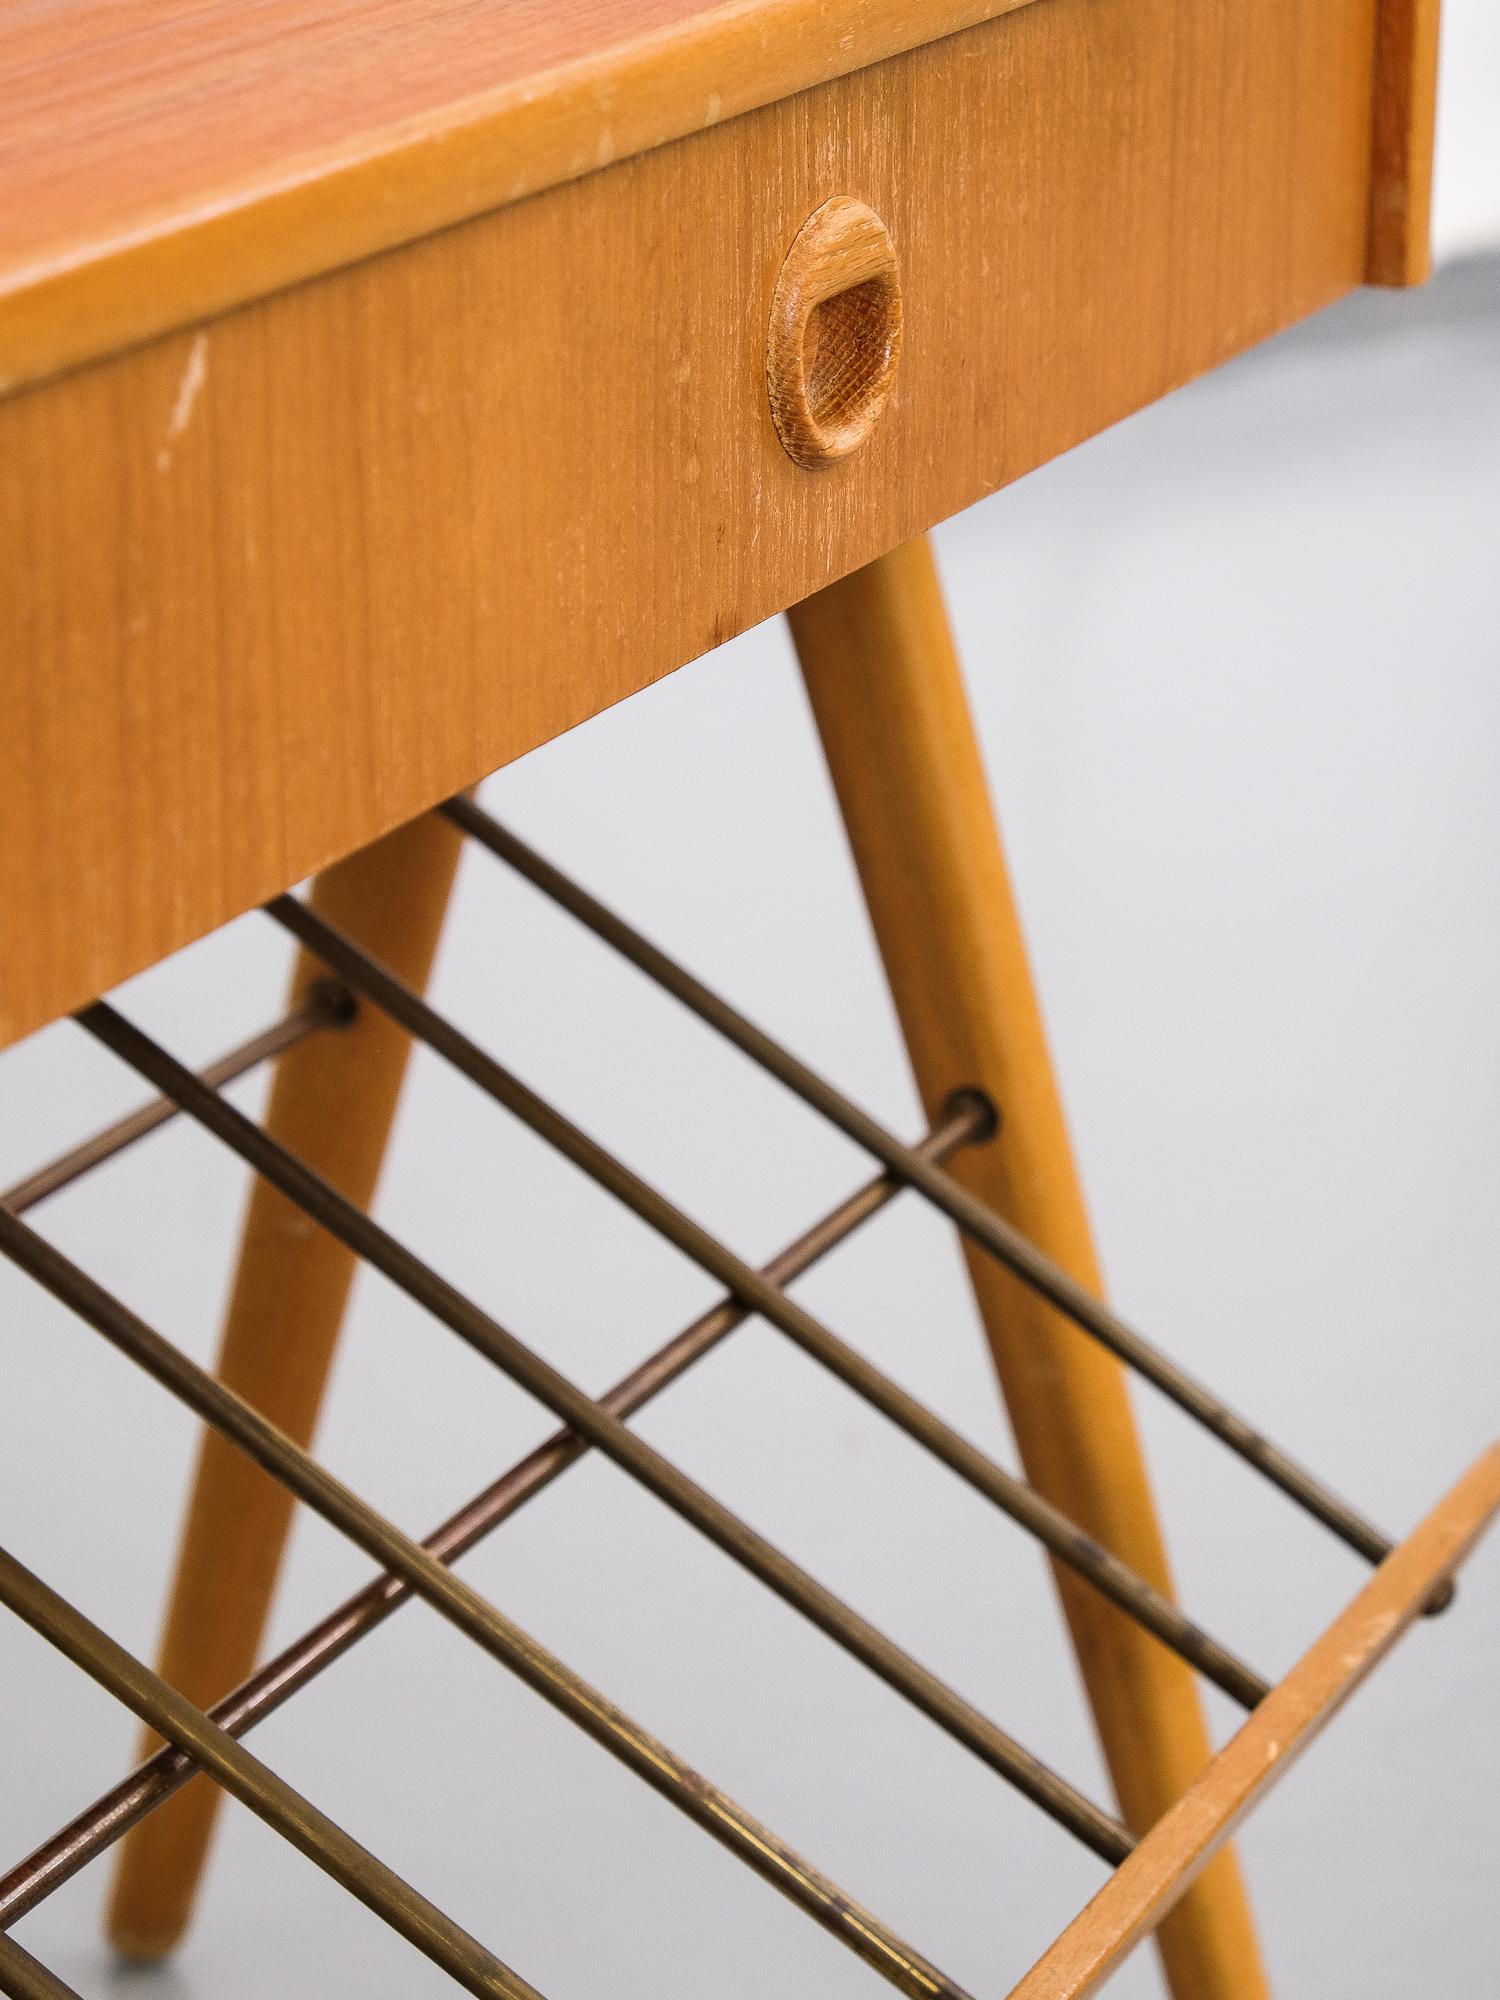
274, 583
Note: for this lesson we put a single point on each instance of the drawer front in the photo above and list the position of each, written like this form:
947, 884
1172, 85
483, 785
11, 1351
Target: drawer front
271, 586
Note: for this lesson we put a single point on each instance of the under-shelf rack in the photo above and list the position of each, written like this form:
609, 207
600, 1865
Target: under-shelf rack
1148, 1875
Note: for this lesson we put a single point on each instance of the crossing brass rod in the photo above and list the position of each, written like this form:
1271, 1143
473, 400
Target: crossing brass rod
1087, 1821
328, 1005
474, 1615
98, 1826
1013, 1496
295, 1818
981, 1224
23, 1977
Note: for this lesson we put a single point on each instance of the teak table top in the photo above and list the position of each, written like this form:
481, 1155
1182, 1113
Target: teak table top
162, 162
383, 385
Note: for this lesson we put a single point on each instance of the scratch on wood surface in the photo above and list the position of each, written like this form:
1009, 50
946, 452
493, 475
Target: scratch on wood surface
187, 395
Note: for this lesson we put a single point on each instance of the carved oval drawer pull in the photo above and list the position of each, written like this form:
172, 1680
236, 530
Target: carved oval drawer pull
835, 335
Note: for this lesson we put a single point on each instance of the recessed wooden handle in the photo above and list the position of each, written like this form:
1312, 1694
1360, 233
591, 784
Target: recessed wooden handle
835, 334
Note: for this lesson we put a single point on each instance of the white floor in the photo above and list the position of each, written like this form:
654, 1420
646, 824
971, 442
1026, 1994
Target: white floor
1238, 674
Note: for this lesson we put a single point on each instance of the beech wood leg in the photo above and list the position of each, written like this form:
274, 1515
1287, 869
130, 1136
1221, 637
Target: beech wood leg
888, 697
332, 1102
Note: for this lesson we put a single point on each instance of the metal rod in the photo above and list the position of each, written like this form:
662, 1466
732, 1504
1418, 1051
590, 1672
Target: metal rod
90, 1832
981, 1224
467, 1610
23, 1977
421, 1923
1013, 1496
325, 1005
1087, 1821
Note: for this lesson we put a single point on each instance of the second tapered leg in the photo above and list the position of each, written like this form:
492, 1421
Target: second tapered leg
890, 706
332, 1103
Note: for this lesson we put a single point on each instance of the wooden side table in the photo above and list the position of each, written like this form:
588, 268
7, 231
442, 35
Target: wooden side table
388, 391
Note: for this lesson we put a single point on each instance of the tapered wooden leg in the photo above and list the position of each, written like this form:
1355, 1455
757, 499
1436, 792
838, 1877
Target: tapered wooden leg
889, 701
332, 1103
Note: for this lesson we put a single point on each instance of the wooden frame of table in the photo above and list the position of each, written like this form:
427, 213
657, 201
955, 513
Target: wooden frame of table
377, 402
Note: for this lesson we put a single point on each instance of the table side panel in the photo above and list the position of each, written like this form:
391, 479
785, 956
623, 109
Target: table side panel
271, 587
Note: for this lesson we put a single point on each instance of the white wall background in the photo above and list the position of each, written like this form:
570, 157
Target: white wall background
1235, 666
1466, 193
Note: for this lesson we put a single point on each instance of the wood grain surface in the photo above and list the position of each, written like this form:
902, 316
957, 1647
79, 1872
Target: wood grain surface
271, 586
161, 162
834, 342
